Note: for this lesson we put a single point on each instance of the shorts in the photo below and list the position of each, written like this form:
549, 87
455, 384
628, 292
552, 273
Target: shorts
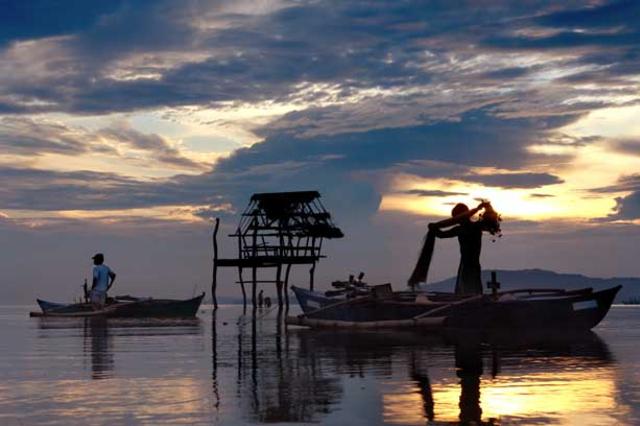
98, 297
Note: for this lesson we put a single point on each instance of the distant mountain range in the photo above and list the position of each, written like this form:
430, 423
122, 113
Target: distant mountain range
532, 278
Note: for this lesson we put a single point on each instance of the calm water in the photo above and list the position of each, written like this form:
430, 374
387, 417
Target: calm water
227, 369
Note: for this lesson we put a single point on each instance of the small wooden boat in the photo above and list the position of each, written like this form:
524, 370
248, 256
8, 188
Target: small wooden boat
524, 309
124, 307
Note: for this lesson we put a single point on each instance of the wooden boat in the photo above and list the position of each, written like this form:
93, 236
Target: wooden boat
124, 307
524, 309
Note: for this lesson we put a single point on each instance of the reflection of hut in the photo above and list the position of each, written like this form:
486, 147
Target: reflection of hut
278, 230
276, 384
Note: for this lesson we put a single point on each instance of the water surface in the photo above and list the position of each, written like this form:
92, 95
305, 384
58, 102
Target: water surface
229, 368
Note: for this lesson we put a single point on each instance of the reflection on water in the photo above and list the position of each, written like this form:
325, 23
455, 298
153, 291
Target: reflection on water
235, 368
99, 348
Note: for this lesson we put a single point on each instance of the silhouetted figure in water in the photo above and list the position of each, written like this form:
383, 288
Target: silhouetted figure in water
261, 298
469, 236
424, 385
468, 357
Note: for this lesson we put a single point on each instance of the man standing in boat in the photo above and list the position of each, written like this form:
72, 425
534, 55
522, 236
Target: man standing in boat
103, 278
469, 235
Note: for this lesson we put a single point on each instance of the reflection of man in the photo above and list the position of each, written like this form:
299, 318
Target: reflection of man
470, 238
103, 278
468, 357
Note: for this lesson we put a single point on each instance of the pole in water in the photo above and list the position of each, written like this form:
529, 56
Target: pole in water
214, 272
494, 285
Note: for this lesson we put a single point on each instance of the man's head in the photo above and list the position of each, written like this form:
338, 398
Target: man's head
98, 259
459, 209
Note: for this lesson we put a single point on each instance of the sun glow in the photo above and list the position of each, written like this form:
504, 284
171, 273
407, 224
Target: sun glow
554, 202
556, 396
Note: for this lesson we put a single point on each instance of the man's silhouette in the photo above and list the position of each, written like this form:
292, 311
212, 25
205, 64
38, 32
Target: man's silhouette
470, 238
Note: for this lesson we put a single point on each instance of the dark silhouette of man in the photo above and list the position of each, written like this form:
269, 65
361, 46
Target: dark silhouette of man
469, 235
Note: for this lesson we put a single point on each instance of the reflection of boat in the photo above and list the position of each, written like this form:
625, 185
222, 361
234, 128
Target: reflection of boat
471, 378
124, 307
516, 309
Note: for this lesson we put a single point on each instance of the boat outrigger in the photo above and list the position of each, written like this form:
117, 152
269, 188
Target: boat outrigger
124, 307
523, 309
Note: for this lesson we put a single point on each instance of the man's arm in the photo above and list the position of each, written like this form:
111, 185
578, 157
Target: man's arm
94, 279
457, 219
112, 275
449, 233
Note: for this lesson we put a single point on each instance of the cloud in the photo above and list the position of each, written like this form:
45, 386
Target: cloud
627, 147
539, 195
627, 207
158, 147
25, 136
378, 89
625, 183
140, 55
29, 137
514, 180
350, 169
432, 193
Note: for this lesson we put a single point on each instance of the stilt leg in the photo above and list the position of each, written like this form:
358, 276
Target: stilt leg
279, 283
279, 289
286, 284
214, 273
244, 291
254, 285
311, 274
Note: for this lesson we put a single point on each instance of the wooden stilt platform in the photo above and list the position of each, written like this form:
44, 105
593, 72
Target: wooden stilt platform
277, 230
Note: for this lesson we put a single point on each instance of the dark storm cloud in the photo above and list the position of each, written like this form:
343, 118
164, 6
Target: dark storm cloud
477, 138
605, 25
266, 56
628, 206
22, 20
444, 98
338, 166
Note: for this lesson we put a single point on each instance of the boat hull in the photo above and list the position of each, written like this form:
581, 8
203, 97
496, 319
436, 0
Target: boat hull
140, 308
577, 311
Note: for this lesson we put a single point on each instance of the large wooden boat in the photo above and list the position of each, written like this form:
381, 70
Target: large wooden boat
124, 307
524, 309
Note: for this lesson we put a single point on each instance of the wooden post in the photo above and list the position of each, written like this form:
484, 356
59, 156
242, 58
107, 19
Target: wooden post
214, 272
313, 265
254, 285
311, 273
286, 276
279, 282
254, 269
244, 292
286, 298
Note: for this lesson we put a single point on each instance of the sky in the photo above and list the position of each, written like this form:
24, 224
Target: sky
126, 126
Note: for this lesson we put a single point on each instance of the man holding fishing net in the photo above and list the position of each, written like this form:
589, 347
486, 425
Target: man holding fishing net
469, 235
